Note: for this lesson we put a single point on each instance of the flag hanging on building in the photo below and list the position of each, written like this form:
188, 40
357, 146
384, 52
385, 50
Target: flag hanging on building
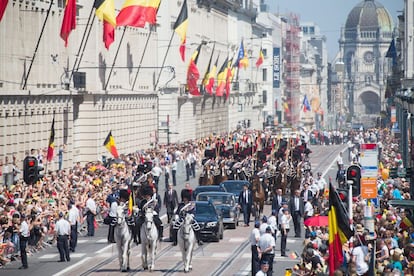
151, 11
229, 76
339, 230
110, 145
260, 58
221, 78
51, 146
180, 27
306, 104
193, 74
136, 13
206, 78
392, 52
105, 11
211, 77
69, 20
286, 107
242, 59
3, 5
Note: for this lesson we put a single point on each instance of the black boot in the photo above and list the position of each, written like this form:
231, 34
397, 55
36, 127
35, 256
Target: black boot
160, 232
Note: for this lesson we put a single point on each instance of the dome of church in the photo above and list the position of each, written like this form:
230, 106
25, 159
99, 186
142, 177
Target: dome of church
369, 15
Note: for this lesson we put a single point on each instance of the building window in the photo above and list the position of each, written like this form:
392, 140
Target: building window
264, 97
264, 52
264, 74
305, 30
312, 30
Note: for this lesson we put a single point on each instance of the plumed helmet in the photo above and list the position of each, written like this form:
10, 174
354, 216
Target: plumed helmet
123, 194
147, 190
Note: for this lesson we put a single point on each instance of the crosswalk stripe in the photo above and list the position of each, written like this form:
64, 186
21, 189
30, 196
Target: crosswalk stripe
49, 256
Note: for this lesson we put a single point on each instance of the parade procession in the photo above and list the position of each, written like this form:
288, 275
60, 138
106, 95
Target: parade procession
206, 137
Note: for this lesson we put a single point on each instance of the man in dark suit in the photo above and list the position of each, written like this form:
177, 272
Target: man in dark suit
170, 201
296, 207
246, 202
277, 202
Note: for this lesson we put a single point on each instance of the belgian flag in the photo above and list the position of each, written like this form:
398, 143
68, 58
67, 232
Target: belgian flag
193, 74
181, 26
136, 13
105, 11
260, 58
110, 145
221, 78
51, 147
339, 230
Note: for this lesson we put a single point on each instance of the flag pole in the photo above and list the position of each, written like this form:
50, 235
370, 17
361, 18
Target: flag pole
83, 43
142, 58
163, 62
116, 55
37, 45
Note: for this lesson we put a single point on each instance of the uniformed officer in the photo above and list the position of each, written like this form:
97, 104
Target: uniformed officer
24, 237
266, 248
62, 229
74, 219
186, 195
147, 192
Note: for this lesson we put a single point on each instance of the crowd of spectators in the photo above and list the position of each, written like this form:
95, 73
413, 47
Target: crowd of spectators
43, 201
383, 241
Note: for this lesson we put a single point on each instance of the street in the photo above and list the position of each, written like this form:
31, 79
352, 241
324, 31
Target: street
230, 256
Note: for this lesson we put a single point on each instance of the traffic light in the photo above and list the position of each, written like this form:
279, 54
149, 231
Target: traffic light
353, 173
30, 170
343, 196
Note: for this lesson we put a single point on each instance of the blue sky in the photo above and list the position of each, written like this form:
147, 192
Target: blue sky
329, 15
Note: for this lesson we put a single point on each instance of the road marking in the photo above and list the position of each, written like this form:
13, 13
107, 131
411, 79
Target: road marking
293, 241
247, 255
102, 241
69, 268
77, 255
220, 255
82, 241
237, 240
49, 256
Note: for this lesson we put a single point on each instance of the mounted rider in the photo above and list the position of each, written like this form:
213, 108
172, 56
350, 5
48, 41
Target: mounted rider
185, 197
147, 193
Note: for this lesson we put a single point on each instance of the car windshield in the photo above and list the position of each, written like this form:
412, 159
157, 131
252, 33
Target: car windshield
233, 186
205, 210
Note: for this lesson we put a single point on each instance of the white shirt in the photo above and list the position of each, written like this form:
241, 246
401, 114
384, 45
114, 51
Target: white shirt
285, 221
308, 209
112, 209
263, 227
272, 222
74, 215
91, 205
361, 264
254, 236
156, 171
24, 229
321, 183
260, 273
266, 240
62, 227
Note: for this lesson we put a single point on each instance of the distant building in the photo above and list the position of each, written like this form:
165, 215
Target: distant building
363, 45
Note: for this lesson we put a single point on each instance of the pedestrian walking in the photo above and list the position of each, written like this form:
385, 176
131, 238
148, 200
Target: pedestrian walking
167, 175
90, 214
170, 201
297, 210
245, 203
62, 229
266, 248
254, 241
174, 166
156, 172
74, 220
24, 237
284, 230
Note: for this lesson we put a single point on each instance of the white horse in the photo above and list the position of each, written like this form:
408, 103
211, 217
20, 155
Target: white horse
186, 240
149, 237
123, 237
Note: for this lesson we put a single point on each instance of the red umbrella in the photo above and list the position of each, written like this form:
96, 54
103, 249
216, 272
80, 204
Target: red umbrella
317, 221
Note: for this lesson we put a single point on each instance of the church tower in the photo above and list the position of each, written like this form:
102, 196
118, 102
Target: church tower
363, 45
